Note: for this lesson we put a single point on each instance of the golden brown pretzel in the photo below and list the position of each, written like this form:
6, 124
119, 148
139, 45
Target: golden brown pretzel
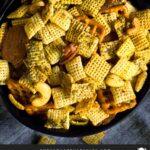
19, 92
32, 110
96, 28
119, 10
69, 52
109, 106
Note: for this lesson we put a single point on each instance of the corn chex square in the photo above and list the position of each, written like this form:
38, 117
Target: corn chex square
76, 11
62, 18
3, 30
125, 69
140, 40
92, 7
50, 33
81, 91
75, 68
126, 49
85, 104
89, 45
143, 54
94, 139
108, 49
61, 98
21, 21
97, 68
54, 78
57, 118
4, 72
96, 115
46, 140
101, 20
71, 2
52, 53
33, 25
19, 13
123, 94
144, 17
76, 30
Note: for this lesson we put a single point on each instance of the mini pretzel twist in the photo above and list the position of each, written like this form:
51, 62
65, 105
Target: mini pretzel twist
69, 52
110, 107
135, 27
120, 10
96, 28
32, 110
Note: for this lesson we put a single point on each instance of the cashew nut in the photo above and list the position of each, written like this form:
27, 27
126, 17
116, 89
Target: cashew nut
135, 27
44, 95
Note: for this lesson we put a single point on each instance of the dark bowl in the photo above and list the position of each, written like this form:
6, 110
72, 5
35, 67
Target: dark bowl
35, 123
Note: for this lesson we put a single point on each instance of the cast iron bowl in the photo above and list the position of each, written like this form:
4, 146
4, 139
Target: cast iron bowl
35, 123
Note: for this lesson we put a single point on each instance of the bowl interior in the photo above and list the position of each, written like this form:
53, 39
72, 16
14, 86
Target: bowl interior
74, 131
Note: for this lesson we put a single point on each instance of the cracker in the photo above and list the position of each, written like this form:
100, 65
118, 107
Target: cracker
4, 72
97, 68
46, 140
75, 68
92, 7
19, 13
126, 49
62, 18
94, 139
61, 98
50, 33
33, 25
123, 94
57, 119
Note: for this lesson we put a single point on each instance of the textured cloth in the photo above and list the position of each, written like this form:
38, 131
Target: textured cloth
133, 130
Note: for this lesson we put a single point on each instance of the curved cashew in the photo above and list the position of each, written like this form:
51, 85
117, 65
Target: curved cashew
44, 95
135, 27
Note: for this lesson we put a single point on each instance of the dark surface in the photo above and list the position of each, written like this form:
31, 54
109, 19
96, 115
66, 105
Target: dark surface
35, 124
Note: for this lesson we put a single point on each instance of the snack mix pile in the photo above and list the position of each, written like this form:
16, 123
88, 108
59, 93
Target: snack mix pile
74, 62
